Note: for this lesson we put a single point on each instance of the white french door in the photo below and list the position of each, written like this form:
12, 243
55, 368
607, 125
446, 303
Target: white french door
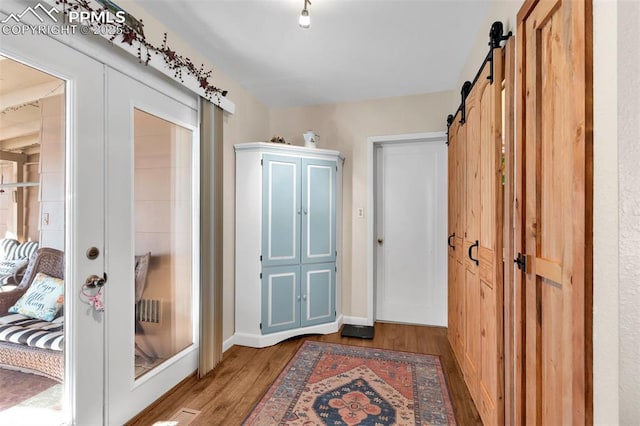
411, 219
82, 212
152, 200
130, 188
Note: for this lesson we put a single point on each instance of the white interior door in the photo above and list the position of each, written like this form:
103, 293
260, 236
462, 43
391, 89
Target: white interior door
152, 200
411, 228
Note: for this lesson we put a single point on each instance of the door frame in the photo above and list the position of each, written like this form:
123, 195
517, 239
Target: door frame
374, 142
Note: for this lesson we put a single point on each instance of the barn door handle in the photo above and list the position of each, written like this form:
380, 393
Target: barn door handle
449, 241
471, 248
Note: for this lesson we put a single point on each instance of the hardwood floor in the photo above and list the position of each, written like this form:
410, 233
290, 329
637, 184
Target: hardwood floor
227, 394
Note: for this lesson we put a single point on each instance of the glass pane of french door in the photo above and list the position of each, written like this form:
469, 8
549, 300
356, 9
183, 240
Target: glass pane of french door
68, 132
163, 153
32, 216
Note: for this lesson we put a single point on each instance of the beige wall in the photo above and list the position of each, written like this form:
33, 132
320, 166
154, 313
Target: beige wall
605, 232
346, 127
629, 208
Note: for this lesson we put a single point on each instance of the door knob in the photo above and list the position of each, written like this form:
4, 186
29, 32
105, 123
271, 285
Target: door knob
95, 281
380, 241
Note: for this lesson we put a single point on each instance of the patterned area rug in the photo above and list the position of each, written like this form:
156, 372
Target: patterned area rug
331, 384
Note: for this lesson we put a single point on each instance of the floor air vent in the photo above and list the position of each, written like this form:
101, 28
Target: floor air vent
182, 417
185, 416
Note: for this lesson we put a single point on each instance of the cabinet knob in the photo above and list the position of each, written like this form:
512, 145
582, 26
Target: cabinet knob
298, 298
304, 297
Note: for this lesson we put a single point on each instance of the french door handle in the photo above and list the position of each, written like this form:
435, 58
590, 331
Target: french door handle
449, 241
93, 281
471, 248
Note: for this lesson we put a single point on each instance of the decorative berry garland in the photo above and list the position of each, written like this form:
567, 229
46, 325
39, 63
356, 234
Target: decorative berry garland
131, 33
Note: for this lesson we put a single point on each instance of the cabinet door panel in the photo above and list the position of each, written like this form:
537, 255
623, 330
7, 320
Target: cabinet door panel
318, 294
319, 211
280, 210
280, 298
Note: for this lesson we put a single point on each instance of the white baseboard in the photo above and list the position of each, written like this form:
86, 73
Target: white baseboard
356, 320
228, 343
262, 341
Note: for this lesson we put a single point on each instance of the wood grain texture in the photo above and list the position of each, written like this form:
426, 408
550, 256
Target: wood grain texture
476, 196
231, 390
491, 379
457, 194
452, 297
555, 224
472, 349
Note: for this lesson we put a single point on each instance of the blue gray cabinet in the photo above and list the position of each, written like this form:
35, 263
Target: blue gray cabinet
298, 230
318, 211
287, 238
318, 293
281, 210
298, 296
280, 298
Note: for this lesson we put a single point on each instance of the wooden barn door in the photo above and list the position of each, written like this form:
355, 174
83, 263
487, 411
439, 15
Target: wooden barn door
491, 390
555, 229
471, 364
460, 162
475, 243
457, 196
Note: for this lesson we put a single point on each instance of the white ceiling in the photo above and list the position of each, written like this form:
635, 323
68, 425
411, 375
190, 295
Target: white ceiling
354, 50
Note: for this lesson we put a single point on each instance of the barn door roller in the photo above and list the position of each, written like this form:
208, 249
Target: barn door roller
496, 37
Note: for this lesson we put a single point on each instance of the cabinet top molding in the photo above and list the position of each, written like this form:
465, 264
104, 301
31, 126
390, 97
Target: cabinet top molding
271, 147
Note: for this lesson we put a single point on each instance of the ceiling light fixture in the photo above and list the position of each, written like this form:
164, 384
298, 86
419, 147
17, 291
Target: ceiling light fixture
305, 19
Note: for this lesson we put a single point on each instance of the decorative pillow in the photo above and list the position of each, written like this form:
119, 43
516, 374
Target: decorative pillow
42, 300
25, 250
8, 248
9, 267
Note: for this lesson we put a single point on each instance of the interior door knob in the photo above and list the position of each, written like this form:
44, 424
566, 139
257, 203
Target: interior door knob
380, 241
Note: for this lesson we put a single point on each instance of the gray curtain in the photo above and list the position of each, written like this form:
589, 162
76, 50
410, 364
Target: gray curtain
210, 353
